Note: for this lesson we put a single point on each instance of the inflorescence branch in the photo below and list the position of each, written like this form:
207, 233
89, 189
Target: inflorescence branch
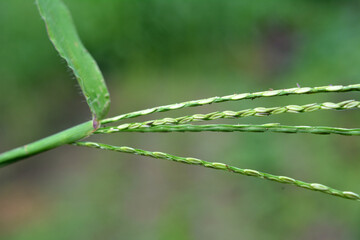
268, 127
235, 97
225, 167
259, 111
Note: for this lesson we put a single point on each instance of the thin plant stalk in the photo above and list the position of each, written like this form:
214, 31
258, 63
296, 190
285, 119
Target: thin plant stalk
268, 127
258, 112
235, 97
225, 167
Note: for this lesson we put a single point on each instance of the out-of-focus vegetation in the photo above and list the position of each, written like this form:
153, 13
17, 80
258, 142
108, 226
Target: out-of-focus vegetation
157, 52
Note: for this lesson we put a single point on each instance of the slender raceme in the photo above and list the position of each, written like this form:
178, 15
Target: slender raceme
268, 127
259, 112
235, 97
225, 167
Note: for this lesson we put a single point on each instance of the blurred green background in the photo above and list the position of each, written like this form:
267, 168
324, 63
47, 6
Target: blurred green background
158, 52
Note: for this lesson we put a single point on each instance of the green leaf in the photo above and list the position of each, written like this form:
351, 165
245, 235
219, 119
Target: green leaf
63, 35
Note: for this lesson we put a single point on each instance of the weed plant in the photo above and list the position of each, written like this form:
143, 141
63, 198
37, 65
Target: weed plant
65, 39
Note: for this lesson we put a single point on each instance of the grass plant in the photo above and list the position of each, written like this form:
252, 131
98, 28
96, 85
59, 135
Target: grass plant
66, 41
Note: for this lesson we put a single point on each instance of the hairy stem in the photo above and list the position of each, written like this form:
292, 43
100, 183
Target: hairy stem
225, 167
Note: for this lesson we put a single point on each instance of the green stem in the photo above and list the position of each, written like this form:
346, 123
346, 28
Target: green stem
225, 167
269, 127
67, 136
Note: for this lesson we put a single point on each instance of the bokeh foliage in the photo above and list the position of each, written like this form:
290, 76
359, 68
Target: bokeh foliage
157, 52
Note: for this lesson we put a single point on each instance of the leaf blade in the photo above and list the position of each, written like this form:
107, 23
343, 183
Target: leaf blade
62, 33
